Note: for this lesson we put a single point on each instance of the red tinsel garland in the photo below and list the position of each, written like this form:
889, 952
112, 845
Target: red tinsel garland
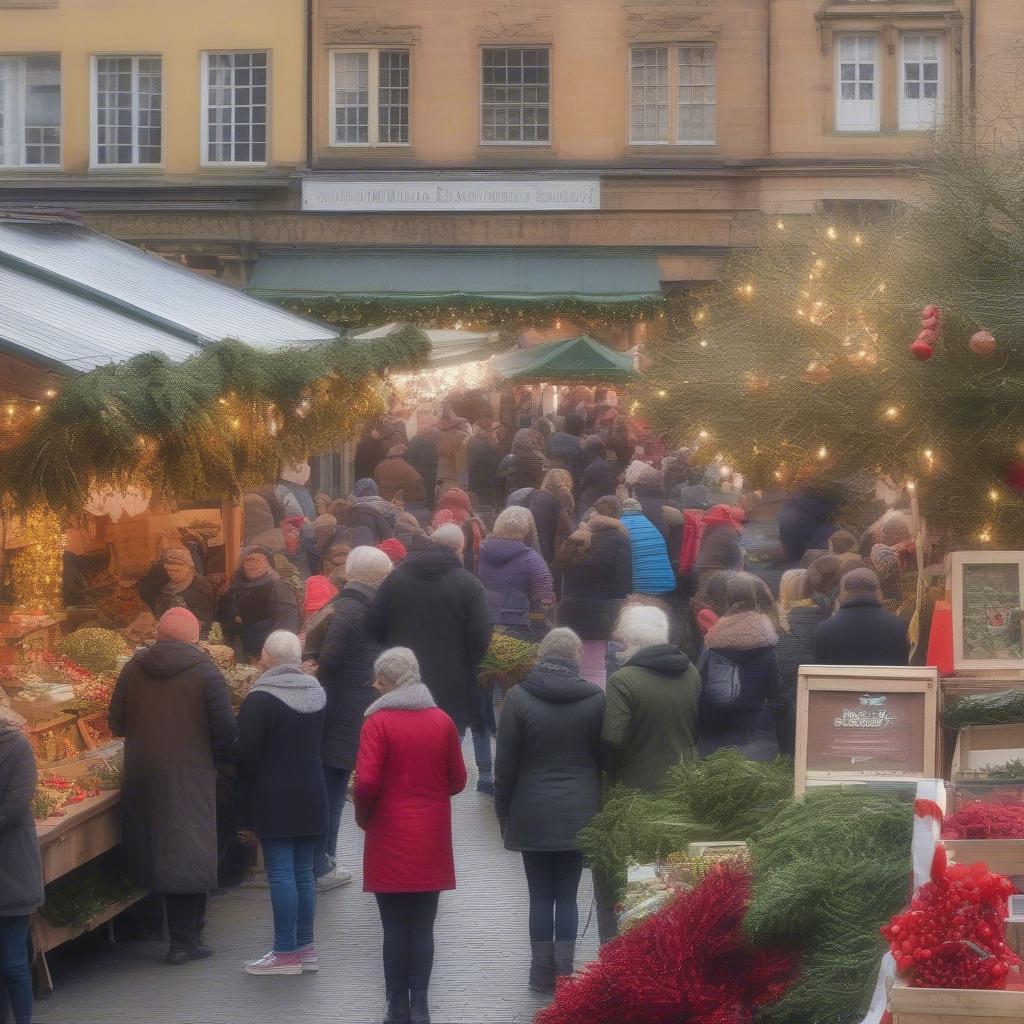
982, 820
689, 961
952, 934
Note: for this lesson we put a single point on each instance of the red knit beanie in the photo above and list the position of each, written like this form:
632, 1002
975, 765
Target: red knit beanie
178, 624
319, 591
393, 548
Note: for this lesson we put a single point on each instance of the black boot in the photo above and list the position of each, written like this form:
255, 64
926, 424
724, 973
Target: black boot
419, 1010
542, 967
565, 958
398, 1007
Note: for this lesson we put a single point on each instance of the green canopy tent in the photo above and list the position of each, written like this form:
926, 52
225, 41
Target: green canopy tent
574, 361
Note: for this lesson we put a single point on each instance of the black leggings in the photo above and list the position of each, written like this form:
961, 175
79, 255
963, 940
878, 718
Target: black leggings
408, 920
553, 878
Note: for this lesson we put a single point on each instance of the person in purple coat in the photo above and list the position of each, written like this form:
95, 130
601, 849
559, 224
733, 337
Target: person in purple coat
516, 580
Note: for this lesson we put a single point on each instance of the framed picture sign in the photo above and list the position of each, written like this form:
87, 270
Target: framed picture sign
863, 724
988, 587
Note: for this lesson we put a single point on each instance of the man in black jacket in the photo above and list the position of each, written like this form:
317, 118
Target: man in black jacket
861, 632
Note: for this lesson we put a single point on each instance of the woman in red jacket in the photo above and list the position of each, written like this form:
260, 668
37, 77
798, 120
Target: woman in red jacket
408, 768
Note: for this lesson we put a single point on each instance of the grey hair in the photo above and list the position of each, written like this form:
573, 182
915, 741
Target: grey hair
451, 536
514, 523
367, 565
640, 626
561, 643
398, 665
282, 648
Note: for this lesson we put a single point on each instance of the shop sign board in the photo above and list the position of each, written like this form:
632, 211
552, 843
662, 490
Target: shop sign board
858, 724
446, 195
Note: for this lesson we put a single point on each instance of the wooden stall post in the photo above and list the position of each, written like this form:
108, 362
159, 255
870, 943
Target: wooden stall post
231, 511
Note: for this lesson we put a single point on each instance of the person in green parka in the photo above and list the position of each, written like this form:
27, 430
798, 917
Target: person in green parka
650, 720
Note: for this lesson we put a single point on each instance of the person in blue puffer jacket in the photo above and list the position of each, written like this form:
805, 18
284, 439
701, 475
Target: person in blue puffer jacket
652, 570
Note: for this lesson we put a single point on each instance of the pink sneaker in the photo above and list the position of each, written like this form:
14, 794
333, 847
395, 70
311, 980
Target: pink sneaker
275, 963
308, 958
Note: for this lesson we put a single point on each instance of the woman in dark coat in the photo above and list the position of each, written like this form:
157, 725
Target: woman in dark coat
371, 512
597, 478
742, 643
548, 787
798, 618
527, 459
345, 670
596, 563
565, 447
553, 511
370, 450
173, 582
256, 603
173, 708
281, 796
719, 544
21, 873
482, 458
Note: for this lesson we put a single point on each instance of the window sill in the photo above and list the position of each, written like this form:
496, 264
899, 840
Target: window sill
886, 133
122, 169
672, 149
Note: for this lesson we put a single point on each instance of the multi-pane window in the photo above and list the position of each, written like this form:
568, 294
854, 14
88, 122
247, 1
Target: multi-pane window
672, 94
365, 115
857, 87
235, 108
696, 94
515, 95
30, 125
129, 110
920, 82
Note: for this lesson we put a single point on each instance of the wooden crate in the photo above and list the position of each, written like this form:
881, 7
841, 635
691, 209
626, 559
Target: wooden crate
981, 745
957, 1005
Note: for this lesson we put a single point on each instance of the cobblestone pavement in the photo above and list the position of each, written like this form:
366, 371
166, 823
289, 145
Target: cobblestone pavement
479, 973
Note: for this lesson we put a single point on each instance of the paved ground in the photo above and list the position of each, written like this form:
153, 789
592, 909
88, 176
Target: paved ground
479, 974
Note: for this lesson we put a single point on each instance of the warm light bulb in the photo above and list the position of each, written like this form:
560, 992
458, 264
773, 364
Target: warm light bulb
858, 240
703, 343
10, 410
703, 435
747, 290
911, 486
777, 474
881, 286
662, 394
985, 536
50, 393
822, 452
832, 233
993, 494
780, 225
37, 408
929, 454
892, 412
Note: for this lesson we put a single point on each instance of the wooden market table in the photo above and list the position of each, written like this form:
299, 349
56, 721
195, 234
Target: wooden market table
84, 832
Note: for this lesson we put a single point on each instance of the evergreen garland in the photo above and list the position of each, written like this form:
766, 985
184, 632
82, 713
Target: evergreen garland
1002, 708
221, 420
829, 871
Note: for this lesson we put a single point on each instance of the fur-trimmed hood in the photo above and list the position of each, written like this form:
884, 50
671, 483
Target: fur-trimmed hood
743, 631
411, 697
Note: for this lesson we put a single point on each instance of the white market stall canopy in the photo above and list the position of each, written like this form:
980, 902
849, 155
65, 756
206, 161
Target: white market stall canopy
448, 348
74, 299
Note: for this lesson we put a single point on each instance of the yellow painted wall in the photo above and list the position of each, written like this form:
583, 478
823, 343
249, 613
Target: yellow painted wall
179, 30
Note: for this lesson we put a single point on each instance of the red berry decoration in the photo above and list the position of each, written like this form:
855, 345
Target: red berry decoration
922, 350
931, 328
928, 337
952, 934
929, 311
982, 344
1013, 475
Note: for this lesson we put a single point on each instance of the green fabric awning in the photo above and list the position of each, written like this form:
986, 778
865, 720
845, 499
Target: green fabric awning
575, 360
496, 275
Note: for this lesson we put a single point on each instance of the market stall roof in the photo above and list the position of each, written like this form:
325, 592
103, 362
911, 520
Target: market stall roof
447, 348
576, 359
77, 298
494, 274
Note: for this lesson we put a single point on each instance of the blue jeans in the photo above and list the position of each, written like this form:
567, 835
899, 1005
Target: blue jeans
289, 864
337, 785
15, 975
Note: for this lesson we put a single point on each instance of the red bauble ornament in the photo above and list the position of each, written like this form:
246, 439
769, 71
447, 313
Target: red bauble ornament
922, 350
929, 310
1013, 475
982, 344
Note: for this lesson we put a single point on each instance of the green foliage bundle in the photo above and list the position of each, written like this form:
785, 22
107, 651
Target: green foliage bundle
221, 420
828, 872
797, 363
94, 649
1000, 708
723, 797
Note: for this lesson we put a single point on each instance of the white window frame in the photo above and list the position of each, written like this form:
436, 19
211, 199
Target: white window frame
675, 92
876, 63
94, 149
22, 164
907, 124
204, 102
373, 88
544, 143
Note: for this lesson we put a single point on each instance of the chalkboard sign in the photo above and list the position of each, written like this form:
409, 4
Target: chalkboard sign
988, 591
858, 725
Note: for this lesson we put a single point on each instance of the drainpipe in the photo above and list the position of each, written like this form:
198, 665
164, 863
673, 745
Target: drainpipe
309, 83
972, 47
768, 76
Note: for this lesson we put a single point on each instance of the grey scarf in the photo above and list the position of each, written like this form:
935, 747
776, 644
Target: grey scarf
411, 697
290, 685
